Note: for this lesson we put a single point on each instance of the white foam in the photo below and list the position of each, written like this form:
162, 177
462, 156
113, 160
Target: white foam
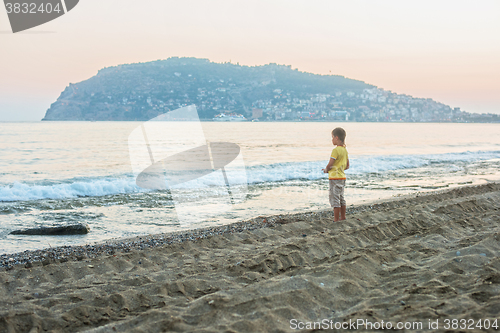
96, 187
259, 174
362, 165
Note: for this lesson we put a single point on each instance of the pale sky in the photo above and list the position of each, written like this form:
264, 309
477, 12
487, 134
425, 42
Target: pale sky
442, 49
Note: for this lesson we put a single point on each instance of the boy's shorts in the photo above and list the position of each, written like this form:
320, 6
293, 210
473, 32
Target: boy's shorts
336, 192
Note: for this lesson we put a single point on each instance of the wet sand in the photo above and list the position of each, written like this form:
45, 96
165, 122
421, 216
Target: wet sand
424, 257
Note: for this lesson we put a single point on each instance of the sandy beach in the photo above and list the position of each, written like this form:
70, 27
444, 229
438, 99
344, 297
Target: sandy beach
416, 259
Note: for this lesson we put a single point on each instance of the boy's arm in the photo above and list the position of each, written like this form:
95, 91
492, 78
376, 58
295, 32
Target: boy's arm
347, 166
330, 165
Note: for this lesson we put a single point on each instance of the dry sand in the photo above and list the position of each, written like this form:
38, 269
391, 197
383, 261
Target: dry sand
420, 258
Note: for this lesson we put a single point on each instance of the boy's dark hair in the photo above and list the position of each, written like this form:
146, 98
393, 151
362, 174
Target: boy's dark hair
340, 133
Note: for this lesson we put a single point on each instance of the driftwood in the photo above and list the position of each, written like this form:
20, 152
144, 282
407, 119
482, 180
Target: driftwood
70, 229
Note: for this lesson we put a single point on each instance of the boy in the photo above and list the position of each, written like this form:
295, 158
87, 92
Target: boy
339, 161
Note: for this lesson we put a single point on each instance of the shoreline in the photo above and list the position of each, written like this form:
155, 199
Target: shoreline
62, 254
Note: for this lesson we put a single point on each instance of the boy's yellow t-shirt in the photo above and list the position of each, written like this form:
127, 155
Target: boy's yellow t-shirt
339, 153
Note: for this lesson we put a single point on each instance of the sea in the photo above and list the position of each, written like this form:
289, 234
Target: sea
54, 173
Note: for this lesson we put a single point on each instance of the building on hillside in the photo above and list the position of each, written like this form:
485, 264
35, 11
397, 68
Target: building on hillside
339, 115
257, 113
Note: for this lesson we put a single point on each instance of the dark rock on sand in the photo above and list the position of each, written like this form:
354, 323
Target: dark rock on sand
71, 229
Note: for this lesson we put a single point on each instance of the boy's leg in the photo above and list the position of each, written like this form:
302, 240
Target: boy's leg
335, 192
331, 194
336, 214
342, 201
